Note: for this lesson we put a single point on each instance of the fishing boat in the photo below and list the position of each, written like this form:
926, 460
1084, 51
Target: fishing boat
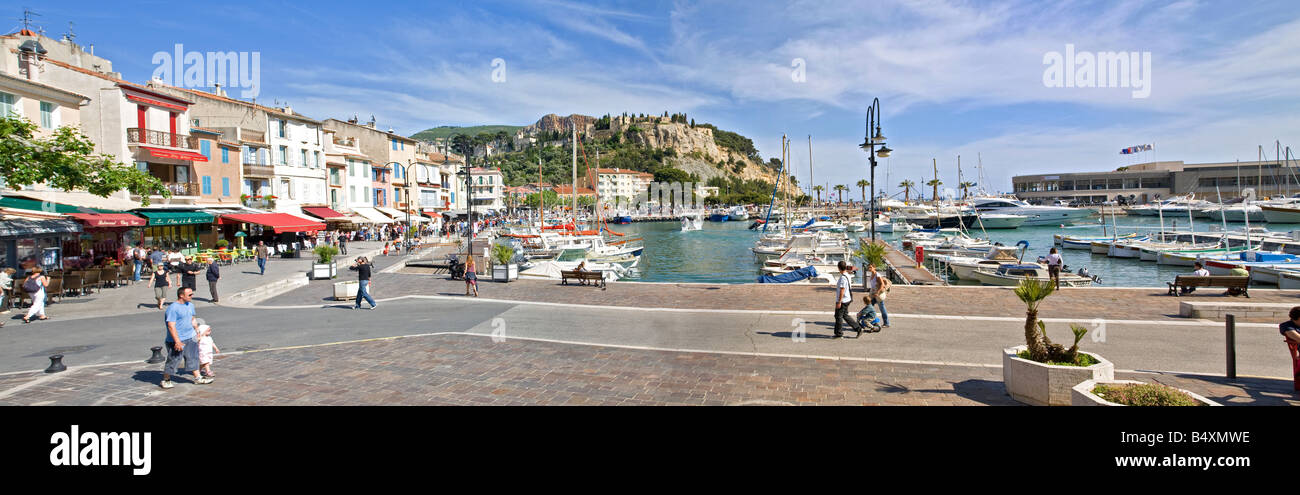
1281, 214
1013, 274
963, 267
1191, 256
1072, 242
719, 215
1288, 279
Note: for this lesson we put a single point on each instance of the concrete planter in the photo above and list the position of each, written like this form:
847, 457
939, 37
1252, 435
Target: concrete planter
321, 271
346, 290
505, 273
1041, 384
1081, 394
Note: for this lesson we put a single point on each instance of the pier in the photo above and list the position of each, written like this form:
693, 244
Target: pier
903, 268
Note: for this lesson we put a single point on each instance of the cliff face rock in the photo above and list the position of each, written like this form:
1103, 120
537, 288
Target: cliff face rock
554, 123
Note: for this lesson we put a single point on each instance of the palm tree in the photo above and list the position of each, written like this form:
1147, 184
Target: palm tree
819, 190
907, 186
840, 189
965, 188
935, 183
863, 184
1032, 292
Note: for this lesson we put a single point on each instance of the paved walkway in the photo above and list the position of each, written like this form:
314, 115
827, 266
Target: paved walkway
1083, 304
138, 297
456, 369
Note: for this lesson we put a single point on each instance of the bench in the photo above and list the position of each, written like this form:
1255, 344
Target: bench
583, 276
1223, 281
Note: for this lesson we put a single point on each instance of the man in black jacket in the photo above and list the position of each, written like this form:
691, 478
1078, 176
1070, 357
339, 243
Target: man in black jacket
214, 274
189, 270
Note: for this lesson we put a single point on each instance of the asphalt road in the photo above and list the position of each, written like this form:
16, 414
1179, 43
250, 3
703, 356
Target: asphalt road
1184, 348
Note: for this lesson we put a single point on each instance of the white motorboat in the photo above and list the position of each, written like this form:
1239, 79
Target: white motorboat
1035, 215
856, 227
738, 213
1013, 274
1000, 221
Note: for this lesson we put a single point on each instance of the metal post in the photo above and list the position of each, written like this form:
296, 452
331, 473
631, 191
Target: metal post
1230, 324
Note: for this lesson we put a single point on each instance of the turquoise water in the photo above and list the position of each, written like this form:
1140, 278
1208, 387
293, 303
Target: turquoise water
720, 253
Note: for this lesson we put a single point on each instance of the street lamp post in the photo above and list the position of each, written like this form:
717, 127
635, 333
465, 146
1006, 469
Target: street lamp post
406, 174
869, 144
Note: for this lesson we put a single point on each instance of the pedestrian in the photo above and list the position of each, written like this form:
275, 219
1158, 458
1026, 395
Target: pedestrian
189, 271
879, 286
844, 296
213, 275
363, 282
159, 284
156, 256
1054, 263
1291, 329
262, 254
137, 258
174, 260
471, 278
385, 249
207, 348
35, 284
181, 338
343, 244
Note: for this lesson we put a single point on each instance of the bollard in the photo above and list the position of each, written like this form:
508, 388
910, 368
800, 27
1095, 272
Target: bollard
56, 364
157, 356
1230, 327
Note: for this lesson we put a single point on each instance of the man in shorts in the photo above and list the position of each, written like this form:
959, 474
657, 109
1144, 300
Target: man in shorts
181, 339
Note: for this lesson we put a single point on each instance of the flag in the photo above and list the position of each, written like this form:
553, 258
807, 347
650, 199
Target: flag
1135, 149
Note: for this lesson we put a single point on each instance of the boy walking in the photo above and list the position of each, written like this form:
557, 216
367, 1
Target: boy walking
843, 297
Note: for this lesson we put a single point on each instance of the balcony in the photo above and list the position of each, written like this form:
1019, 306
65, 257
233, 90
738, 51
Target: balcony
259, 170
135, 135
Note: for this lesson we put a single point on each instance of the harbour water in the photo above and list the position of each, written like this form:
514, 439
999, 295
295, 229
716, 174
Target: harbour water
720, 253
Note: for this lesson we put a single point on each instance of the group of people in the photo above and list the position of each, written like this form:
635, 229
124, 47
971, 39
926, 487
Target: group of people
34, 283
178, 270
187, 338
877, 286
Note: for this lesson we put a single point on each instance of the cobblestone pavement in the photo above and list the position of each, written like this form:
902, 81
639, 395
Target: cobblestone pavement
1079, 303
475, 370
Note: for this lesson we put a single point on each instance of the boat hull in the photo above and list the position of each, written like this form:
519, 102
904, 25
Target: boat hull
1277, 214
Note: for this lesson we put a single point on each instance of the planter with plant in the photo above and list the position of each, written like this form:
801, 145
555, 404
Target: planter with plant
502, 269
324, 266
289, 253
1041, 372
1133, 393
222, 244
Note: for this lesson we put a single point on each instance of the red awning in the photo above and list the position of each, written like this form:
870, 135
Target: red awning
176, 155
109, 219
280, 222
322, 212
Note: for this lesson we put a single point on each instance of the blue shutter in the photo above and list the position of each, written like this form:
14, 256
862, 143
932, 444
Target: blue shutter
205, 147
225, 155
207, 184
225, 186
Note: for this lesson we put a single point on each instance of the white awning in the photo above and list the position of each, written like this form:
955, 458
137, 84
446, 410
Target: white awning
397, 215
371, 215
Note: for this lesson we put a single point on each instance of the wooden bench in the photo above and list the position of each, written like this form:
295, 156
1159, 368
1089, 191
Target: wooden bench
583, 276
1223, 281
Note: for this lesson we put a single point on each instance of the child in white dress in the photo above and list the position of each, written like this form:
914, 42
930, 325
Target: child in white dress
206, 350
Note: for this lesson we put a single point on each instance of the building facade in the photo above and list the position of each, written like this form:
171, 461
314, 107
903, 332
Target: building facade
1146, 182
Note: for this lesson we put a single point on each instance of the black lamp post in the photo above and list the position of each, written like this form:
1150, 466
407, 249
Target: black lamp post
406, 174
869, 144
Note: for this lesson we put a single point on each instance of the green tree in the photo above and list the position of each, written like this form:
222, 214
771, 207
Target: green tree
965, 188
934, 183
840, 189
818, 190
66, 160
907, 186
863, 185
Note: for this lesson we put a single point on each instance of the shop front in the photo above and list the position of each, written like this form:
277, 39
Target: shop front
105, 238
282, 231
29, 242
185, 231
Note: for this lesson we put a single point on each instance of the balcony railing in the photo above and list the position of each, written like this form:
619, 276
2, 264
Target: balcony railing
259, 170
182, 188
136, 135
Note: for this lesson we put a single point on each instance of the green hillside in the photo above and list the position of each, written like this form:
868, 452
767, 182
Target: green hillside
447, 131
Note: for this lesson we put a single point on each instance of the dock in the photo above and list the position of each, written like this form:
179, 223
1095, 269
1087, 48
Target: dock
903, 268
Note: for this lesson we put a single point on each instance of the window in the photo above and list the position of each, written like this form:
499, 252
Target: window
49, 117
316, 163
207, 184
225, 155
352, 194
205, 148
9, 104
195, 123
281, 127
284, 155
394, 143
225, 186
304, 158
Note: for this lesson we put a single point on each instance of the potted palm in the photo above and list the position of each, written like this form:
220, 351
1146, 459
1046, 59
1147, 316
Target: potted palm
1043, 373
502, 269
324, 266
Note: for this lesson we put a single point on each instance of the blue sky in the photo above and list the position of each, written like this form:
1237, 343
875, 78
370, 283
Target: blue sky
954, 78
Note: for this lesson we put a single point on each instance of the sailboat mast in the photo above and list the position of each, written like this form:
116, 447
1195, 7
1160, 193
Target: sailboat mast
541, 197
574, 188
810, 164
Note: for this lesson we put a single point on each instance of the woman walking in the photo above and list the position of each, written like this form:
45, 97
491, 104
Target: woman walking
471, 278
35, 285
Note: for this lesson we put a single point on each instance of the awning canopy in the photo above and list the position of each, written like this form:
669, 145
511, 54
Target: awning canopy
175, 154
279, 222
322, 212
397, 215
45, 206
109, 219
176, 217
23, 227
371, 215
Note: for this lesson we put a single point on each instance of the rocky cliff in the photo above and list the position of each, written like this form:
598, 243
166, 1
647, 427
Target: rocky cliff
556, 123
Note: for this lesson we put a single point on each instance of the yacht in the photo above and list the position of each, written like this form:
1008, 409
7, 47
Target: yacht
738, 214
1000, 221
1035, 215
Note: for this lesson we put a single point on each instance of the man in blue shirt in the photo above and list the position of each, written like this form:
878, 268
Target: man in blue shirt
181, 339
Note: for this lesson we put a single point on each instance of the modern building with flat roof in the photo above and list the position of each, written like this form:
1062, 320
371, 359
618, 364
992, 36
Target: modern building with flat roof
1150, 181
